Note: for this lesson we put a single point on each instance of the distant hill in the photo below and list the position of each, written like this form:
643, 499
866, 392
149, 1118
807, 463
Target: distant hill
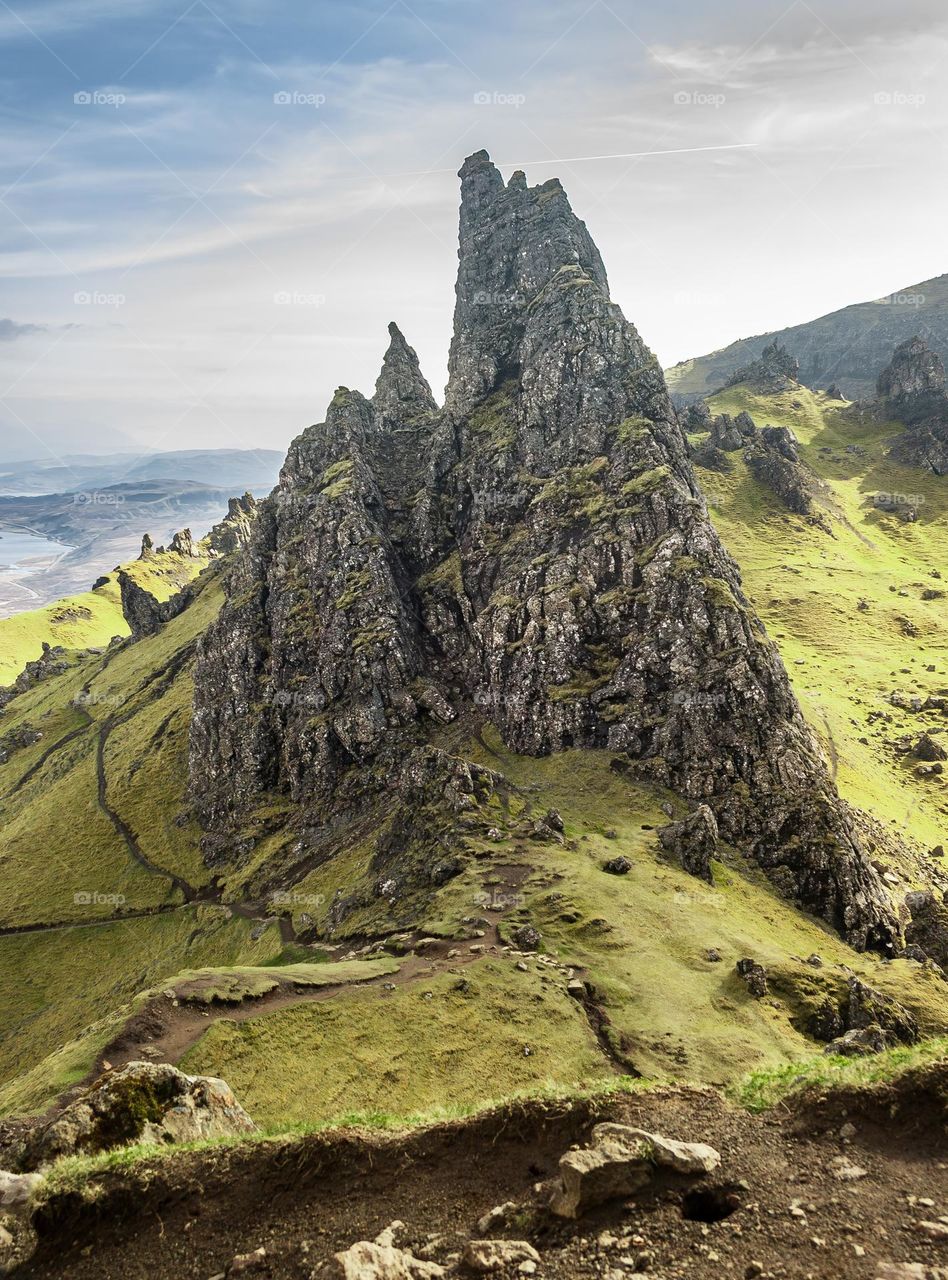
54, 544
232, 469
849, 347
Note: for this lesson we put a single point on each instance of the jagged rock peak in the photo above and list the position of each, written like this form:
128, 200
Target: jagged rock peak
915, 371
912, 390
545, 563
774, 370
402, 394
234, 530
148, 547
533, 322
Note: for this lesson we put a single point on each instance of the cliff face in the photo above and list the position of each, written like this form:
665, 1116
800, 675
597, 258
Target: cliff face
537, 554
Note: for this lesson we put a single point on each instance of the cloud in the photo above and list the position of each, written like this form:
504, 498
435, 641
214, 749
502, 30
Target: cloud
10, 330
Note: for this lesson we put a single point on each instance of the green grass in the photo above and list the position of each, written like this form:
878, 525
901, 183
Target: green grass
762, 1090
640, 941
233, 986
807, 585
55, 987
448, 1041
91, 618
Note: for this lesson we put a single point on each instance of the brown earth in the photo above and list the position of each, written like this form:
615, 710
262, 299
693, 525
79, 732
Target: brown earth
302, 1199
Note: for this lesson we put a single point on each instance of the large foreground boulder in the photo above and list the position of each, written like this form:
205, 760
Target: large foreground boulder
619, 1161
144, 1102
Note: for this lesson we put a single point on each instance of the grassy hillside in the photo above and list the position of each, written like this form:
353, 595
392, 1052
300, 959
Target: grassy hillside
467, 1035
847, 608
97, 826
90, 619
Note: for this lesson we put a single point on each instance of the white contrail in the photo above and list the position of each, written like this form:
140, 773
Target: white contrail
622, 155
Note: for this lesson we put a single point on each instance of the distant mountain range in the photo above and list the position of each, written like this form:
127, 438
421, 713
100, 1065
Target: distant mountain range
850, 347
231, 469
97, 509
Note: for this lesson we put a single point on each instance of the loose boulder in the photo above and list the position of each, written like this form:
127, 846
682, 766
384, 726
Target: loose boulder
495, 1255
619, 1161
382, 1260
144, 1102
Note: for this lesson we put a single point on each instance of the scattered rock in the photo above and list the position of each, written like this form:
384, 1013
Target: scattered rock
755, 975
526, 938
381, 1260
620, 866
494, 1255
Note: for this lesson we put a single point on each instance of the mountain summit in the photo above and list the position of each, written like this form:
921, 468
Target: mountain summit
536, 556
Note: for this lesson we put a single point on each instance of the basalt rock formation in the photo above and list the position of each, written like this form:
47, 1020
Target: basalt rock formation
537, 555
774, 370
912, 390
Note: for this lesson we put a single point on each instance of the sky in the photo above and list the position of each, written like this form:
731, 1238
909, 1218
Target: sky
210, 209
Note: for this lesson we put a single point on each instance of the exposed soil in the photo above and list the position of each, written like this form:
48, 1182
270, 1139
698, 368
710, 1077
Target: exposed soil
301, 1200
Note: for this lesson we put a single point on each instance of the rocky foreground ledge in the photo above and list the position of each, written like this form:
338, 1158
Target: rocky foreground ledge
676, 1183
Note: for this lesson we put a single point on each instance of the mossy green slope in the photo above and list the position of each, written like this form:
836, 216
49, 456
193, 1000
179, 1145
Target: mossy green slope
91, 618
848, 609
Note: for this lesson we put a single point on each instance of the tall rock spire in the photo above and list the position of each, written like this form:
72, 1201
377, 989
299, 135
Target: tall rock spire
542, 558
402, 394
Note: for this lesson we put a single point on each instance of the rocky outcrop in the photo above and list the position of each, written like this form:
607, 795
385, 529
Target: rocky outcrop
776, 466
24, 735
51, 662
142, 611
693, 841
912, 386
863, 1009
148, 547
774, 370
233, 532
928, 930
912, 390
539, 555
183, 544
144, 1102
730, 434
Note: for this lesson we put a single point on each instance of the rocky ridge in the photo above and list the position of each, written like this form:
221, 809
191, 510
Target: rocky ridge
537, 554
912, 390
